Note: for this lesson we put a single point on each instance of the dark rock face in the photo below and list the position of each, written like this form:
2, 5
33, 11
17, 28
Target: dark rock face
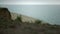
5, 14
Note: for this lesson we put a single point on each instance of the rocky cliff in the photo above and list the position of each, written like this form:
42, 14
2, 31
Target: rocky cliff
5, 14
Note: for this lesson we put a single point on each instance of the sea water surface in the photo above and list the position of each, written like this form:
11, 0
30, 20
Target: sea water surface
48, 13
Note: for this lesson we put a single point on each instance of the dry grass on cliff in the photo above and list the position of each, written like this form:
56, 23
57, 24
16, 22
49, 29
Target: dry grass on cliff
17, 27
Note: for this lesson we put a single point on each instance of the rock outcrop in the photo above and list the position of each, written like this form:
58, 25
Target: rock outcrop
5, 14
24, 18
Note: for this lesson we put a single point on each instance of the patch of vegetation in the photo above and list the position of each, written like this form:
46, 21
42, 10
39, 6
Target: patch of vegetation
27, 28
38, 22
19, 19
9, 23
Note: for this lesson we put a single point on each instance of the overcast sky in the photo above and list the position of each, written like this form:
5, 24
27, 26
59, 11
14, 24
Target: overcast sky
47, 10
18, 2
